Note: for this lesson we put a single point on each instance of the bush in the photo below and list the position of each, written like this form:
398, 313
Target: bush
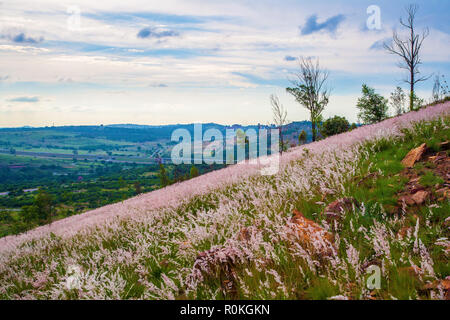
335, 125
373, 107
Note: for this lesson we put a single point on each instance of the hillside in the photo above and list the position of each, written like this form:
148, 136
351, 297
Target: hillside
337, 212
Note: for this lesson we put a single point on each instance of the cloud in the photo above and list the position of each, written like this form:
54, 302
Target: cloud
330, 25
150, 32
158, 85
22, 38
379, 45
24, 99
290, 58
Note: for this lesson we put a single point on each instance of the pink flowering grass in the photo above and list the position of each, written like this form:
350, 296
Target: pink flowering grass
146, 247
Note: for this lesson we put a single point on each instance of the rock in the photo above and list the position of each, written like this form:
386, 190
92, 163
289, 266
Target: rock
218, 261
444, 192
440, 156
229, 288
337, 209
245, 234
416, 188
311, 235
404, 231
392, 209
414, 155
443, 284
406, 199
445, 145
420, 197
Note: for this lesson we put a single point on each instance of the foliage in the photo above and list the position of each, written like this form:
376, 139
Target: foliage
163, 178
440, 88
302, 137
372, 106
334, 125
397, 101
194, 172
146, 247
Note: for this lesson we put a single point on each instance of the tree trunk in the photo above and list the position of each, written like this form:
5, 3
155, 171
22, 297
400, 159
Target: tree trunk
411, 93
313, 125
281, 139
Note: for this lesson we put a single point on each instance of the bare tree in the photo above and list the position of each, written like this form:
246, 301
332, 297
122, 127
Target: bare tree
440, 88
408, 50
279, 116
310, 90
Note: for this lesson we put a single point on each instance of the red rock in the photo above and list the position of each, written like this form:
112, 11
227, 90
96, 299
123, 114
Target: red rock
416, 188
311, 235
219, 261
444, 284
434, 285
338, 208
404, 231
444, 192
414, 155
406, 199
244, 234
420, 196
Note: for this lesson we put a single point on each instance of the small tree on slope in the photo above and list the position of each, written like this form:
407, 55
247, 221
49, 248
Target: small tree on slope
373, 107
310, 90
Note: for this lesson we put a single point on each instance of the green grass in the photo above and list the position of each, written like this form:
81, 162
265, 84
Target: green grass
255, 279
429, 179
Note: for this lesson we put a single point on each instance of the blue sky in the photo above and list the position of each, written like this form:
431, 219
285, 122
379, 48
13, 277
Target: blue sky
148, 62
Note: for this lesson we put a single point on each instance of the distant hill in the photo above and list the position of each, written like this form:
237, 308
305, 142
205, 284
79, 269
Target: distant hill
144, 133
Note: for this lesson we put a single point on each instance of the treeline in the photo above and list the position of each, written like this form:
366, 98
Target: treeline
110, 184
310, 87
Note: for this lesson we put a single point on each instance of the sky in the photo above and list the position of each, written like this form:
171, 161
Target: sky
164, 62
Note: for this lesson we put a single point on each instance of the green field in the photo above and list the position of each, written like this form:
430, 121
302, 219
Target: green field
116, 170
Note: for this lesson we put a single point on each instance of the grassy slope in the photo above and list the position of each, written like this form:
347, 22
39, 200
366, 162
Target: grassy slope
150, 255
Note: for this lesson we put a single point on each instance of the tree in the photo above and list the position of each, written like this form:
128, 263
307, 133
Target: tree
29, 214
408, 49
335, 125
194, 172
440, 88
353, 126
417, 102
397, 101
373, 107
279, 117
302, 138
137, 188
310, 90
178, 174
44, 206
164, 180
122, 183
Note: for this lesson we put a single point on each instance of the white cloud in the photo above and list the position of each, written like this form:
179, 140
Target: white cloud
212, 56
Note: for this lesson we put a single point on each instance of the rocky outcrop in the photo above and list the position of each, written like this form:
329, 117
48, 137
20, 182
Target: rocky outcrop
310, 235
337, 209
414, 155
